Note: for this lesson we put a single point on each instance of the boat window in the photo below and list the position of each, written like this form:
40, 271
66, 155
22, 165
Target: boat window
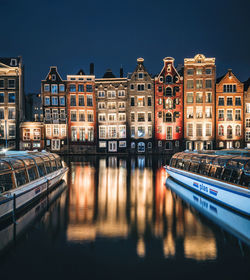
213, 171
32, 173
245, 180
41, 169
16, 163
59, 163
227, 174
48, 167
4, 166
173, 162
235, 176
53, 165
186, 164
194, 166
21, 177
6, 182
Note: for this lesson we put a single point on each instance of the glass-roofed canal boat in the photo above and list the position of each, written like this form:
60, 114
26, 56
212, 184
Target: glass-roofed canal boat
24, 176
223, 178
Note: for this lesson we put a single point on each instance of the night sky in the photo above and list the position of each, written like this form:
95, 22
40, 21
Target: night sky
71, 34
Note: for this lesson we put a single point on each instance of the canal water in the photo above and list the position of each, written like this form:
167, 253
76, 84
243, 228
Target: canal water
115, 218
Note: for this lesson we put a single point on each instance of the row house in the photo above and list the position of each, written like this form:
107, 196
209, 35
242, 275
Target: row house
11, 101
111, 98
81, 112
53, 93
168, 108
32, 136
140, 109
199, 102
229, 112
247, 112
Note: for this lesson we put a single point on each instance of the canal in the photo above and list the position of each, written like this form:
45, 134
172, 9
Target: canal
114, 218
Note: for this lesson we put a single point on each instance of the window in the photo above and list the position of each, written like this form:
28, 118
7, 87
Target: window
168, 91
190, 84
229, 132
208, 112
149, 86
1, 83
248, 108
199, 97
237, 130
101, 94
121, 105
247, 122
11, 83
237, 115
112, 117
102, 117
63, 131
61, 88
54, 100
62, 100
81, 100
11, 113
140, 87
237, 101
81, 116
82, 134
112, 132
90, 116
132, 101
122, 144
56, 130
81, 88
199, 129
140, 101
208, 97
72, 88
47, 114
168, 117
141, 117
12, 130
229, 115
2, 113
229, 88
46, 87
132, 117
62, 114
221, 115
73, 116
89, 100
2, 131
190, 71
54, 89
208, 71
121, 93
111, 94
247, 135
55, 114
190, 97
46, 101
1, 97
140, 75
72, 100
102, 132
159, 114
73, 133
190, 112
199, 113
89, 88
221, 101
208, 129
150, 131
229, 101
132, 86
141, 131
199, 71
121, 117
208, 83
101, 105
160, 88
221, 130
53, 77
189, 129
26, 134
37, 133
132, 131
160, 101
149, 117
169, 133
122, 131
111, 105
169, 79
11, 97
159, 129
149, 101
199, 84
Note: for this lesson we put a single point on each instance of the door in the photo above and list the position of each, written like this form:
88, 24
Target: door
112, 146
55, 145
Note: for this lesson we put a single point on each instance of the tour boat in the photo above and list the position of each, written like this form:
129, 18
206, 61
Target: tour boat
234, 223
223, 178
24, 176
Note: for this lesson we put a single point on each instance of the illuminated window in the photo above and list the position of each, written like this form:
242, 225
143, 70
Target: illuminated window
190, 84
221, 130
73, 133
82, 134
11, 97
190, 97
121, 117
11, 113
81, 100
141, 131
48, 130
141, 117
81, 88
81, 116
121, 105
199, 129
37, 133
199, 71
61, 88
73, 116
247, 122
208, 112
56, 130
160, 101
199, 113
199, 84
46, 88
54, 100
112, 132
102, 132
237, 115
229, 88
101, 94
54, 89
169, 133
208, 129
122, 131
112, 117
150, 131
221, 115
111, 105
199, 97
63, 130
89, 100
111, 94
26, 134
140, 101
237, 130
46, 101
190, 112
62, 100
90, 116
159, 129
208, 97
247, 135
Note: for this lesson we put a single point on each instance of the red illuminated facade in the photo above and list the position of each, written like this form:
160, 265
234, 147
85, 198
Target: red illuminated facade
168, 108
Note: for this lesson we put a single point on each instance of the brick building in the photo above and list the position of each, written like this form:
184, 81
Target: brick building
81, 112
229, 112
247, 113
168, 108
111, 97
11, 101
199, 102
53, 92
140, 110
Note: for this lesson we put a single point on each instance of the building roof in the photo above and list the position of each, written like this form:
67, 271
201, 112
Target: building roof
7, 60
109, 74
247, 84
220, 78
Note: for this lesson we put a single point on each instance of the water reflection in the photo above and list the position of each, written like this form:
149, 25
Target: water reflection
128, 199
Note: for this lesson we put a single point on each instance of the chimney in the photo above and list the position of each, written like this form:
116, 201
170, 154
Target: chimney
230, 72
121, 72
91, 68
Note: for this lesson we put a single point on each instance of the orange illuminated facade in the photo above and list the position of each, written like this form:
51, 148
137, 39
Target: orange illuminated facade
32, 136
229, 112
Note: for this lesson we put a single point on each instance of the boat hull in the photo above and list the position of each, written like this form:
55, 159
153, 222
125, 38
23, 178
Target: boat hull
20, 197
229, 195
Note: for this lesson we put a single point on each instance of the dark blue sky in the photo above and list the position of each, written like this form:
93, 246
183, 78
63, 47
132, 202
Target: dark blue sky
71, 34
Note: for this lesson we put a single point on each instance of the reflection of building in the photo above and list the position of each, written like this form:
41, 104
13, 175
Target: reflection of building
111, 96
246, 112
81, 112
31, 136
11, 101
199, 102
140, 109
168, 108
54, 106
229, 112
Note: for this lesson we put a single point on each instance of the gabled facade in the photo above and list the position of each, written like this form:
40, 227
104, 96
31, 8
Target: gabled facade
229, 112
247, 113
140, 110
111, 98
11, 101
199, 102
168, 108
53, 92
81, 112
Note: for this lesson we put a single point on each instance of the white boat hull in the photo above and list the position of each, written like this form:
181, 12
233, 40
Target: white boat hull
232, 196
